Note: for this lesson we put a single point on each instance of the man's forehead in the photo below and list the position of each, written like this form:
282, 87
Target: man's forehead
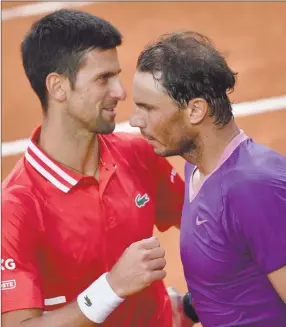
103, 59
149, 92
146, 82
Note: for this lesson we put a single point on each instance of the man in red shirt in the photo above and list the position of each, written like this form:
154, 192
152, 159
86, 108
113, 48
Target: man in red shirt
80, 207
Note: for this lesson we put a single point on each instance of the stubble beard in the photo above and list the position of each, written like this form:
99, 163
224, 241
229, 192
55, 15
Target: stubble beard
186, 148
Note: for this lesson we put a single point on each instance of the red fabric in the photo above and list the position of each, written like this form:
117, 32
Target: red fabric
63, 230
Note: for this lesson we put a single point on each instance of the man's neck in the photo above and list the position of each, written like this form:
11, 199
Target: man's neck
210, 147
77, 149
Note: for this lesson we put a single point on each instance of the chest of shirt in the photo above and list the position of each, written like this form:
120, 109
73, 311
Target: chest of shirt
86, 230
211, 248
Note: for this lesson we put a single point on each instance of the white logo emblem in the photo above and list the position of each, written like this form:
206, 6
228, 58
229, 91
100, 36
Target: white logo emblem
8, 264
8, 284
199, 222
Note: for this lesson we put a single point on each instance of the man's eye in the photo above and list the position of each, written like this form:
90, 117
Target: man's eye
104, 77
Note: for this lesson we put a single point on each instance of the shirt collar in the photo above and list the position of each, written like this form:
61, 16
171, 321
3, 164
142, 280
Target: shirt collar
61, 177
232, 145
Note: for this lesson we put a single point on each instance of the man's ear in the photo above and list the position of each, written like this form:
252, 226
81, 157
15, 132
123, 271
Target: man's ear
56, 85
197, 109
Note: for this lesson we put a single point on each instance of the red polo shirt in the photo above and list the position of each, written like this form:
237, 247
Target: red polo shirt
62, 230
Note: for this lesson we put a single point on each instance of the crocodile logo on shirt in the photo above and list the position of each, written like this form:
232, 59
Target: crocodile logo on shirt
88, 302
141, 200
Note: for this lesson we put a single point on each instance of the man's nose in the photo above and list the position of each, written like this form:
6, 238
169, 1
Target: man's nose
119, 92
136, 120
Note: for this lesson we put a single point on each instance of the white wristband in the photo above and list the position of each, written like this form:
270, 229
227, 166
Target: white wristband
98, 300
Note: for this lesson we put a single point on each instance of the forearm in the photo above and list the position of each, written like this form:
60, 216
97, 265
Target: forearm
69, 315
91, 308
141, 264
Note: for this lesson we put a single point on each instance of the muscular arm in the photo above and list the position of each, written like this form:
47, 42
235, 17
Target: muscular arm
278, 280
69, 315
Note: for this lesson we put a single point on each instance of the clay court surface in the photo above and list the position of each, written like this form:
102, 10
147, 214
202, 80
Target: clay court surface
251, 35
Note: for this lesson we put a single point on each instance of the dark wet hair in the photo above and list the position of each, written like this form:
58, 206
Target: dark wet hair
188, 66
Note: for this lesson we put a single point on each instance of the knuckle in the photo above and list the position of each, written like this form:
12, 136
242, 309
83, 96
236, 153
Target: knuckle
147, 278
155, 242
139, 244
146, 267
144, 255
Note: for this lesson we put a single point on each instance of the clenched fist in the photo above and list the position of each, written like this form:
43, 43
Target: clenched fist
140, 265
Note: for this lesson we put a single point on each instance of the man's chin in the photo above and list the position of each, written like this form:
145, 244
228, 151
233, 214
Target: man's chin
106, 128
166, 152
160, 149
162, 152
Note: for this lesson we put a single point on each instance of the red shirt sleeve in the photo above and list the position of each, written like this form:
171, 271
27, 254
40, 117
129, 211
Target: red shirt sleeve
170, 194
20, 282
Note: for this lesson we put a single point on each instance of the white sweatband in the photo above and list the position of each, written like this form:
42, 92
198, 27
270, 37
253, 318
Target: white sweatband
98, 300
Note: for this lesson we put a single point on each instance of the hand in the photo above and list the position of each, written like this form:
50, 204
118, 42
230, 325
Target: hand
140, 265
179, 317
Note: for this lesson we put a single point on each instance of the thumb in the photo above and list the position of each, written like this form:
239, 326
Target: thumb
150, 243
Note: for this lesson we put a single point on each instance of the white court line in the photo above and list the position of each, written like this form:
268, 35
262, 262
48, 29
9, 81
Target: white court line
39, 8
19, 146
239, 110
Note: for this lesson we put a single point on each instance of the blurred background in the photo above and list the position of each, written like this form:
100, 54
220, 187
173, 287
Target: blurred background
251, 35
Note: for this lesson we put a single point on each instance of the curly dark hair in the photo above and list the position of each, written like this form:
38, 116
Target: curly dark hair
188, 66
